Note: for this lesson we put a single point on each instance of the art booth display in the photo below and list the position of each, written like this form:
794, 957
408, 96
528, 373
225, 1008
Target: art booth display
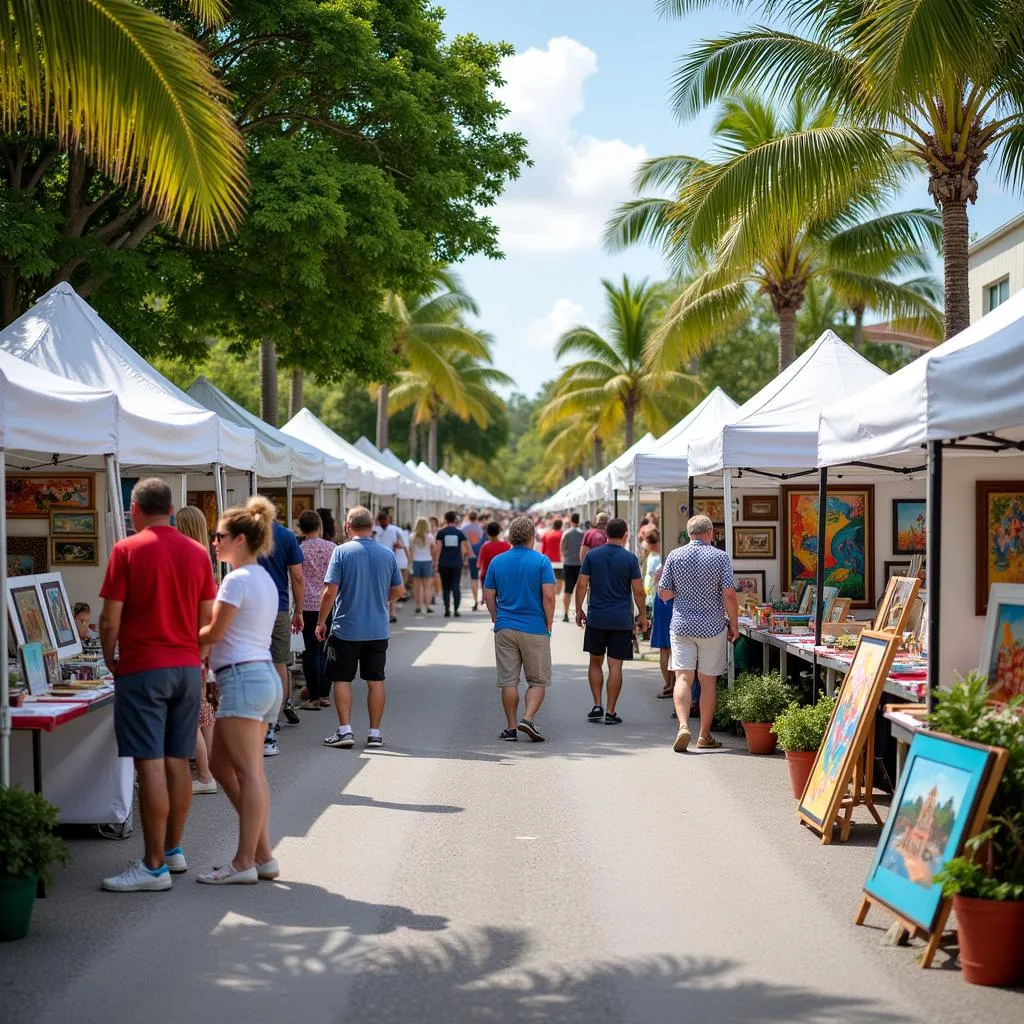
1002, 645
999, 533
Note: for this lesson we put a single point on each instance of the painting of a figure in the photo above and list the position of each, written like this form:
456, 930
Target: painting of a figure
1000, 537
909, 526
1002, 649
849, 540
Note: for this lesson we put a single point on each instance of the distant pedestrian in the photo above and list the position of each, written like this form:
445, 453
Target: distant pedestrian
612, 575
519, 591
572, 543
316, 554
362, 580
452, 551
492, 547
248, 686
551, 545
421, 546
389, 535
475, 536
157, 594
698, 579
596, 536
658, 609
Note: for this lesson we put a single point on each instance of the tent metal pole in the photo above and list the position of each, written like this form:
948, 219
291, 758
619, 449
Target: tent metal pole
252, 483
5, 699
934, 576
288, 501
218, 491
113, 472
727, 500
182, 490
690, 481
320, 495
819, 570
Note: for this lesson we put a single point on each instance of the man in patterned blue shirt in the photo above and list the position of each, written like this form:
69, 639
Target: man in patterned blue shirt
698, 579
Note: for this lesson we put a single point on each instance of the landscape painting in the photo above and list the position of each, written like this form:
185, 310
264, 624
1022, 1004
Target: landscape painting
909, 526
999, 544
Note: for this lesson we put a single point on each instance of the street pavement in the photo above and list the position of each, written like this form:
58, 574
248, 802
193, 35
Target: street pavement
450, 877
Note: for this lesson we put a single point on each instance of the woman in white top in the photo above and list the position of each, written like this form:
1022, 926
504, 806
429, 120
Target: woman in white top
423, 568
248, 685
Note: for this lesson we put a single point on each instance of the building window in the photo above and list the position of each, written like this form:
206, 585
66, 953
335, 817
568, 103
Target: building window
996, 294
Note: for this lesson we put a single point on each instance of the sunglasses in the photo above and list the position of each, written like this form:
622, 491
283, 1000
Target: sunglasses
218, 537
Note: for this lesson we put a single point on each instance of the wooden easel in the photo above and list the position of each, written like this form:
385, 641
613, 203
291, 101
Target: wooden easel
860, 787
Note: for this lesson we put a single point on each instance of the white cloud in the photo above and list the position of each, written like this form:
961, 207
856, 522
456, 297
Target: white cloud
561, 204
542, 333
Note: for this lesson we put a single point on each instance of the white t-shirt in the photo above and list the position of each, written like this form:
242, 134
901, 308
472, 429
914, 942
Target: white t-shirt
251, 590
422, 552
401, 554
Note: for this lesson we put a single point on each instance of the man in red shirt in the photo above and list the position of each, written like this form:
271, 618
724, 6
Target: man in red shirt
157, 593
595, 536
551, 545
491, 548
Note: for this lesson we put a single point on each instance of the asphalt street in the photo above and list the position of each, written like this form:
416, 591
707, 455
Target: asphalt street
450, 877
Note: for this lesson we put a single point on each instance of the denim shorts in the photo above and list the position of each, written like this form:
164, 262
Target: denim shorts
250, 690
423, 570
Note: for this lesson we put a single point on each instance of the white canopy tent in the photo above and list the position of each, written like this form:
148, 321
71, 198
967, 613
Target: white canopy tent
561, 499
448, 492
434, 492
410, 487
601, 486
458, 489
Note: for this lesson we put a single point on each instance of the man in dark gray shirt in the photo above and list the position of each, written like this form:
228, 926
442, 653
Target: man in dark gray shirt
572, 540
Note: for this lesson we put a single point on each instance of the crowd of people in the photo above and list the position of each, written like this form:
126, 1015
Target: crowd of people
201, 669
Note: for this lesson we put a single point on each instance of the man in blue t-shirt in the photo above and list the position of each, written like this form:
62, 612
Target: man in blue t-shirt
284, 563
612, 575
362, 580
519, 592
452, 555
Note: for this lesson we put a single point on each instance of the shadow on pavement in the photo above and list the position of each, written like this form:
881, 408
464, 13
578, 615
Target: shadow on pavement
350, 800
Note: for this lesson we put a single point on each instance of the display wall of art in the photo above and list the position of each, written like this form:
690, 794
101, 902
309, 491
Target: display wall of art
300, 503
909, 526
750, 583
67, 551
27, 555
753, 542
34, 495
849, 539
1002, 645
761, 508
999, 544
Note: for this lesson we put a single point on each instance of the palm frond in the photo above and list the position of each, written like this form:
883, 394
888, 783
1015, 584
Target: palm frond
888, 298
902, 231
585, 341
648, 220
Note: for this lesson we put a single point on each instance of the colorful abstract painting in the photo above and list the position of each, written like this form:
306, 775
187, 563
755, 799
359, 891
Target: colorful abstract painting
32, 495
1000, 537
1002, 649
849, 540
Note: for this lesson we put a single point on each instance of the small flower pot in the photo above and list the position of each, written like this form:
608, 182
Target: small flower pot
760, 738
800, 763
991, 940
17, 898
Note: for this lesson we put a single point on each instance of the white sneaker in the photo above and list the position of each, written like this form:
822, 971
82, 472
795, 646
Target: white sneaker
138, 878
204, 787
175, 861
227, 875
344, 740
268, 870
270, 747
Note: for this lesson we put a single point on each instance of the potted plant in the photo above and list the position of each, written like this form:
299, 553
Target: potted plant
800, 730
28, 847
755, 700
987, 881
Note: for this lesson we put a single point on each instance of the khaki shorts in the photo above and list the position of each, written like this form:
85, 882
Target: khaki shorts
517, 653
707, 654
281, 639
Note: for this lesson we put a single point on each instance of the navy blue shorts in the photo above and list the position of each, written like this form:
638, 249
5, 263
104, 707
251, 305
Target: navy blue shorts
474, 569
156, 713
422, 570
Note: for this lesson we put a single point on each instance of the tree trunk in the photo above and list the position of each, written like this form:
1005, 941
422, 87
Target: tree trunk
787, 336
432, 442
858, 327
630, 424
414, 439
382, 417
295, 396
954, 260
598, 455
268, 382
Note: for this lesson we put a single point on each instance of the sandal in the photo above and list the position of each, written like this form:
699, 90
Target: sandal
665, 695
310, 705
708, 743
324, 702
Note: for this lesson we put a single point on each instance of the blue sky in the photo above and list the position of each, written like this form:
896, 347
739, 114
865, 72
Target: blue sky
589, 89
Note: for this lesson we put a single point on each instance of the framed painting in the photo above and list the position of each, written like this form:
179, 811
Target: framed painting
53, 673
65, 551
942, 799
27, 556
847, 730
909, 526
761, 508
999, 533
25, 608
300, 503
78, 524
713, 508
751, 583
1002, 645
33, 495
849, 539
840, 610
206, 502
753, 542
33, 668
896, 605
807, 598
59, 616
718, 538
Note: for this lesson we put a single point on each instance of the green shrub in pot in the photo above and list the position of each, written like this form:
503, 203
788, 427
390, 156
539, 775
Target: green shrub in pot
28, 843
802, 727
759, 697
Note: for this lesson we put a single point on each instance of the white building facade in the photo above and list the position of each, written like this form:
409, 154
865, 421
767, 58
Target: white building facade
996, 267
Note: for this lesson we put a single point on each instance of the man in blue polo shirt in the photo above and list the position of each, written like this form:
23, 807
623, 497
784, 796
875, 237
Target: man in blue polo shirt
519, 592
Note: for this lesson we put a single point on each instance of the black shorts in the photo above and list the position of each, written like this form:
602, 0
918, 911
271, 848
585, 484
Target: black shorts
616, 643
345, 656
571, 574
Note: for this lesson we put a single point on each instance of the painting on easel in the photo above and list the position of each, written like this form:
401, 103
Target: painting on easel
849, 730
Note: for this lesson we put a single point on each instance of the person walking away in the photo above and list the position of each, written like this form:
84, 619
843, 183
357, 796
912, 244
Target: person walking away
519, 591
452, 553
387, 534
327, 529
491, 548
316, 553
596, 536
248, 687
361, 582
422, 549
191, 521
698, 579
474, 533
402, 557
611, 574
659, 611
572, 543
435, 529
157, 594
284, 565
551, 546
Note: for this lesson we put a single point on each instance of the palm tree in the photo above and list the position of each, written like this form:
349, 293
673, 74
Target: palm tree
427, 331
612, 382
136, 94
943, 83
744, 235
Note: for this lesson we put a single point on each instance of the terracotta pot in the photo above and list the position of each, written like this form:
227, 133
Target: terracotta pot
800, 763
991, 940
760, 738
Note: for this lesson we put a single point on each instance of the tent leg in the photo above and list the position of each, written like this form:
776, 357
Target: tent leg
634, 516
320, 495
183, 490
288, 502
819, 572
690, 481
727, 501
934, 576
5, 700
114, 496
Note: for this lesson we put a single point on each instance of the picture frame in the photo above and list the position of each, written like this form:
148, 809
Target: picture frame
27, 556
25, 612
33, 495
33, 668
840, 610
807, 598
850, 539
750, 583
1002, 644
909, 526
206, 502
897, 603
74, 523
60, 618
753, 542
852, 719
761, 508
54, 678
999, 537
713, 508
69, 551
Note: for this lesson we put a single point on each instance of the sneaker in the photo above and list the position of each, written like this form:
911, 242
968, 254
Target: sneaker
138, 878
270, 747
476, 605
596, 714
268, 870
290, 713
419, 611
430, 611
565, 618
203, 787
227, 875
458, 615
275, 728
612, 719
682, 739
509, 734
447, 614
525, 725
375, 741
393, 619
344, 740
708, 743
175, 861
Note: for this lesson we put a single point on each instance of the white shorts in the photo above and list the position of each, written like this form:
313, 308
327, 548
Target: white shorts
708, 654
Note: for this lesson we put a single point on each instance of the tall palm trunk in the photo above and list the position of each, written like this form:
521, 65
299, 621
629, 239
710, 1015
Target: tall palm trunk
787, 336
957, 301
435, 421
296, 398
598, 454
858, 327
268, 382
414, 441
382, 417
630, 412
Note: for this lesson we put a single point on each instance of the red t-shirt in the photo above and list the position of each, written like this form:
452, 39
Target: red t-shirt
551, 545
161, 576
489, 550
594, 538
